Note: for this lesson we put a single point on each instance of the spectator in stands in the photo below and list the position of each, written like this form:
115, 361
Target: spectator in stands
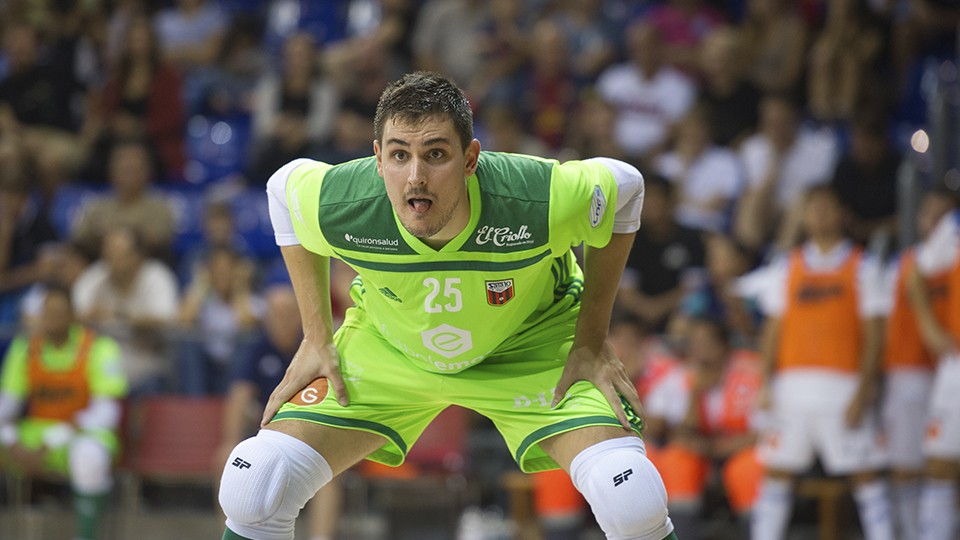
593, 130
775, 45
132, 298
545, 92
219, 229
782, 160
254, 373
227, 89
732, 98
71, 380
302, 89
821, 349
218, 316
845, 60
130, 204
58, 265
866, 178
707, 178
351, 137
707, 406
666, 260
143, 98
648, 95
24, 230
718, 296
941, 447
28, 78
37, 104
191, 34
589, 36
447, 35
683, 24
504, 132
909, 366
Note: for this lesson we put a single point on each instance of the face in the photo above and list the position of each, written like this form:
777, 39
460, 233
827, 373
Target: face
299, 54
823, 216
56, 316
140, 37
704, 348
425, 169
222, 265
121, 254
778, 122
129, 170
724, 262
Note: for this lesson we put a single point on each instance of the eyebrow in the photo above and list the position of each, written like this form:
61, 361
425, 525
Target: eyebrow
429, 142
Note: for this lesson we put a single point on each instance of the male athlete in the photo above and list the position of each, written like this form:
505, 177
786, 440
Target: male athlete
468, 294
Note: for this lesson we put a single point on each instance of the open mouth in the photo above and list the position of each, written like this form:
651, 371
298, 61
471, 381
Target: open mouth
419, 205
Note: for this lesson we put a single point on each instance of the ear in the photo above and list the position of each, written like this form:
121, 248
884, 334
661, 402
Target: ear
472, 155
376, 152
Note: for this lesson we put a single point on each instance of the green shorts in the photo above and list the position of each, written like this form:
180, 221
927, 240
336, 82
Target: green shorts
30, 436
392, 397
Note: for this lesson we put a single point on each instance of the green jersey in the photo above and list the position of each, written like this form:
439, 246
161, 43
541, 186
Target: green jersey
510, 271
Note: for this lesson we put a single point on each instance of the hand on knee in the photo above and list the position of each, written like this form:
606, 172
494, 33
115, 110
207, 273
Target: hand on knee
624, 490
266, 482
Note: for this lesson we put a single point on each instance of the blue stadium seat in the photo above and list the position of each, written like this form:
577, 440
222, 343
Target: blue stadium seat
217, 147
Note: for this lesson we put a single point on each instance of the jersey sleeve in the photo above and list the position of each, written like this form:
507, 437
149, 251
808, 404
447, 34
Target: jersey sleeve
294, 201
874, 299
583, 202
13, 379
107, 378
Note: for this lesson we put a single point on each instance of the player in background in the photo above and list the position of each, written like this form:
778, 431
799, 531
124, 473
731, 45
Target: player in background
71, 381
908, 369
468, 293
938, 498
706, 407
821, 365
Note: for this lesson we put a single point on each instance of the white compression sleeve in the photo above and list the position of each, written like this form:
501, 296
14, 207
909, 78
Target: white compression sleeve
277, 201
629, 194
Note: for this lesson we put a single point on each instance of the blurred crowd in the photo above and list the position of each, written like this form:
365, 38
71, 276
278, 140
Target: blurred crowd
134, 134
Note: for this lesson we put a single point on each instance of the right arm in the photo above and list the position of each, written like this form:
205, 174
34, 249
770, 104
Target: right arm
310, 275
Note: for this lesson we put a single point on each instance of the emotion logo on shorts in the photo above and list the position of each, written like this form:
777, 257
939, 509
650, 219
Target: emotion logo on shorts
311, 394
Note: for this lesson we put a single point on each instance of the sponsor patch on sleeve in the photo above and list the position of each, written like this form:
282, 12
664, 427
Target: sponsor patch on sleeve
597, 207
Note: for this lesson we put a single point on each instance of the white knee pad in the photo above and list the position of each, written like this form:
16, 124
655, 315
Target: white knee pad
266, 482
90, 466
624, 490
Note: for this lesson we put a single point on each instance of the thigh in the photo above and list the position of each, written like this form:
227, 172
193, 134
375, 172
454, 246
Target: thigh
786, 442
943, 431
905, 417
515, 392
391, 402
845, 450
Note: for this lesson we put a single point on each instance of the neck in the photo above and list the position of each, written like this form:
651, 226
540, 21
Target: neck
59, 339
826, 242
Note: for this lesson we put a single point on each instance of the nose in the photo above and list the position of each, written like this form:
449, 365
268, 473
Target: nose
416, 174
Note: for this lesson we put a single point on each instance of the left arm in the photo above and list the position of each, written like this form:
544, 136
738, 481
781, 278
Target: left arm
591, 358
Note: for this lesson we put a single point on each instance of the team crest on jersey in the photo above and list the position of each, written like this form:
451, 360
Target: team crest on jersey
499, 292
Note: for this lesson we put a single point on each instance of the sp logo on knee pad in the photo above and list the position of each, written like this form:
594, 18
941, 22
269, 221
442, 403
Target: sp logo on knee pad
620, 478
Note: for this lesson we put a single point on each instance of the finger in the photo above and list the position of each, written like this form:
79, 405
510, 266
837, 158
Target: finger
560, 391
278, 397
614, 399
339, 388
629, 392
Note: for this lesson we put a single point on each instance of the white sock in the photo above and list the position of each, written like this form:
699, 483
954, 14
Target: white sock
938, 506
907, 497
771, 513
873, 502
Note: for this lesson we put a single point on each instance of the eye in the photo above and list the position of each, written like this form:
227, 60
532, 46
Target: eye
399, 155
436, 154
